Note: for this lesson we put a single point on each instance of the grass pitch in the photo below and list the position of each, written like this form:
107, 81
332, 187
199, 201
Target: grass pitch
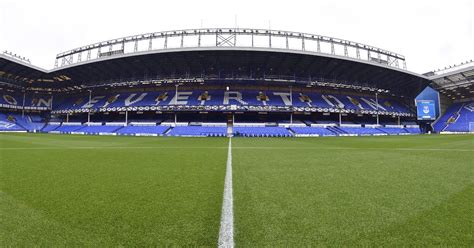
59, 190
67, 190
363, 191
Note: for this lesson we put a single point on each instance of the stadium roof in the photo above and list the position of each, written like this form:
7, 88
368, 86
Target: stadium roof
457, 82
19, 73
354, 63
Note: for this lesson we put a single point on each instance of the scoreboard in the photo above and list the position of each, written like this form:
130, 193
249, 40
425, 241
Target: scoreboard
426, 110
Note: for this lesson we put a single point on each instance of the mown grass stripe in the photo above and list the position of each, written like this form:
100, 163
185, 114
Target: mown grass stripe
246, 147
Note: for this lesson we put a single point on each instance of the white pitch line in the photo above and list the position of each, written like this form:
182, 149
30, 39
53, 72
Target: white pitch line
111, 147
226, 232
352, 148
241, 147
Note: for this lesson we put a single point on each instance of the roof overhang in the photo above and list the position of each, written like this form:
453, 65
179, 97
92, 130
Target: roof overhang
248, 49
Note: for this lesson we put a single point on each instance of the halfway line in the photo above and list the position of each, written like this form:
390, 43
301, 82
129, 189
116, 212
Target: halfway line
226, 232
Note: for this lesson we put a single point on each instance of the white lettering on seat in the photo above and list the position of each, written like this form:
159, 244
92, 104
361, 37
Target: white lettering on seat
233, 95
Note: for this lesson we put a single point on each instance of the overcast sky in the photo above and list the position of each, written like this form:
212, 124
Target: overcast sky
430, 33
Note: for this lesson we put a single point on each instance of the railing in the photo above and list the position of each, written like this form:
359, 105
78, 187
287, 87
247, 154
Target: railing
230, 37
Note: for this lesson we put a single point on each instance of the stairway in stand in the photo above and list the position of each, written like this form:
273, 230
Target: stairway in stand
230, 125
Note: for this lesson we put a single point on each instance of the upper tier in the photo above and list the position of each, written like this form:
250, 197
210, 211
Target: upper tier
233, 100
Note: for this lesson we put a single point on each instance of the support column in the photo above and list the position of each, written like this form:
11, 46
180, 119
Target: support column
176, 95
89, 113
377, 102
23, 108
291, 104
291, 96
126, 117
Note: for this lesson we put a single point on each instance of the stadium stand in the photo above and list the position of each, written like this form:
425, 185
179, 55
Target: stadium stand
27, 122
393, 130
99, 129
51, 127
69, 127
249, 131
352, 130
32, 102
462, 120
413, 130
198, 131
8, 124
312, 131
238, 98
242, 99
150, 127
449, 116
143, 130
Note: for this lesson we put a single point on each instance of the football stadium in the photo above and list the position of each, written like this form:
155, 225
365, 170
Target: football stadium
235, 137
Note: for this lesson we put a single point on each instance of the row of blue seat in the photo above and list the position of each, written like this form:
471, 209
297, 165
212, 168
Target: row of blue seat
222, 131
198, 131
19, 122
459, 117
125, 130
464, 121
220, 98
262, 131
131, 130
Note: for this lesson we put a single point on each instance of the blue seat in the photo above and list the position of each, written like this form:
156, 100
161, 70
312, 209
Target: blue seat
130, 130
262, 131
321, 131
198, 131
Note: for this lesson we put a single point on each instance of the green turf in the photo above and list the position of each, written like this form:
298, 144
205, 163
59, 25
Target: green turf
363, 191
143, 192
68, 190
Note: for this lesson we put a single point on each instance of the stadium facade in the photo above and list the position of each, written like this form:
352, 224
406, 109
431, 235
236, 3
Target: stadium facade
219, 82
